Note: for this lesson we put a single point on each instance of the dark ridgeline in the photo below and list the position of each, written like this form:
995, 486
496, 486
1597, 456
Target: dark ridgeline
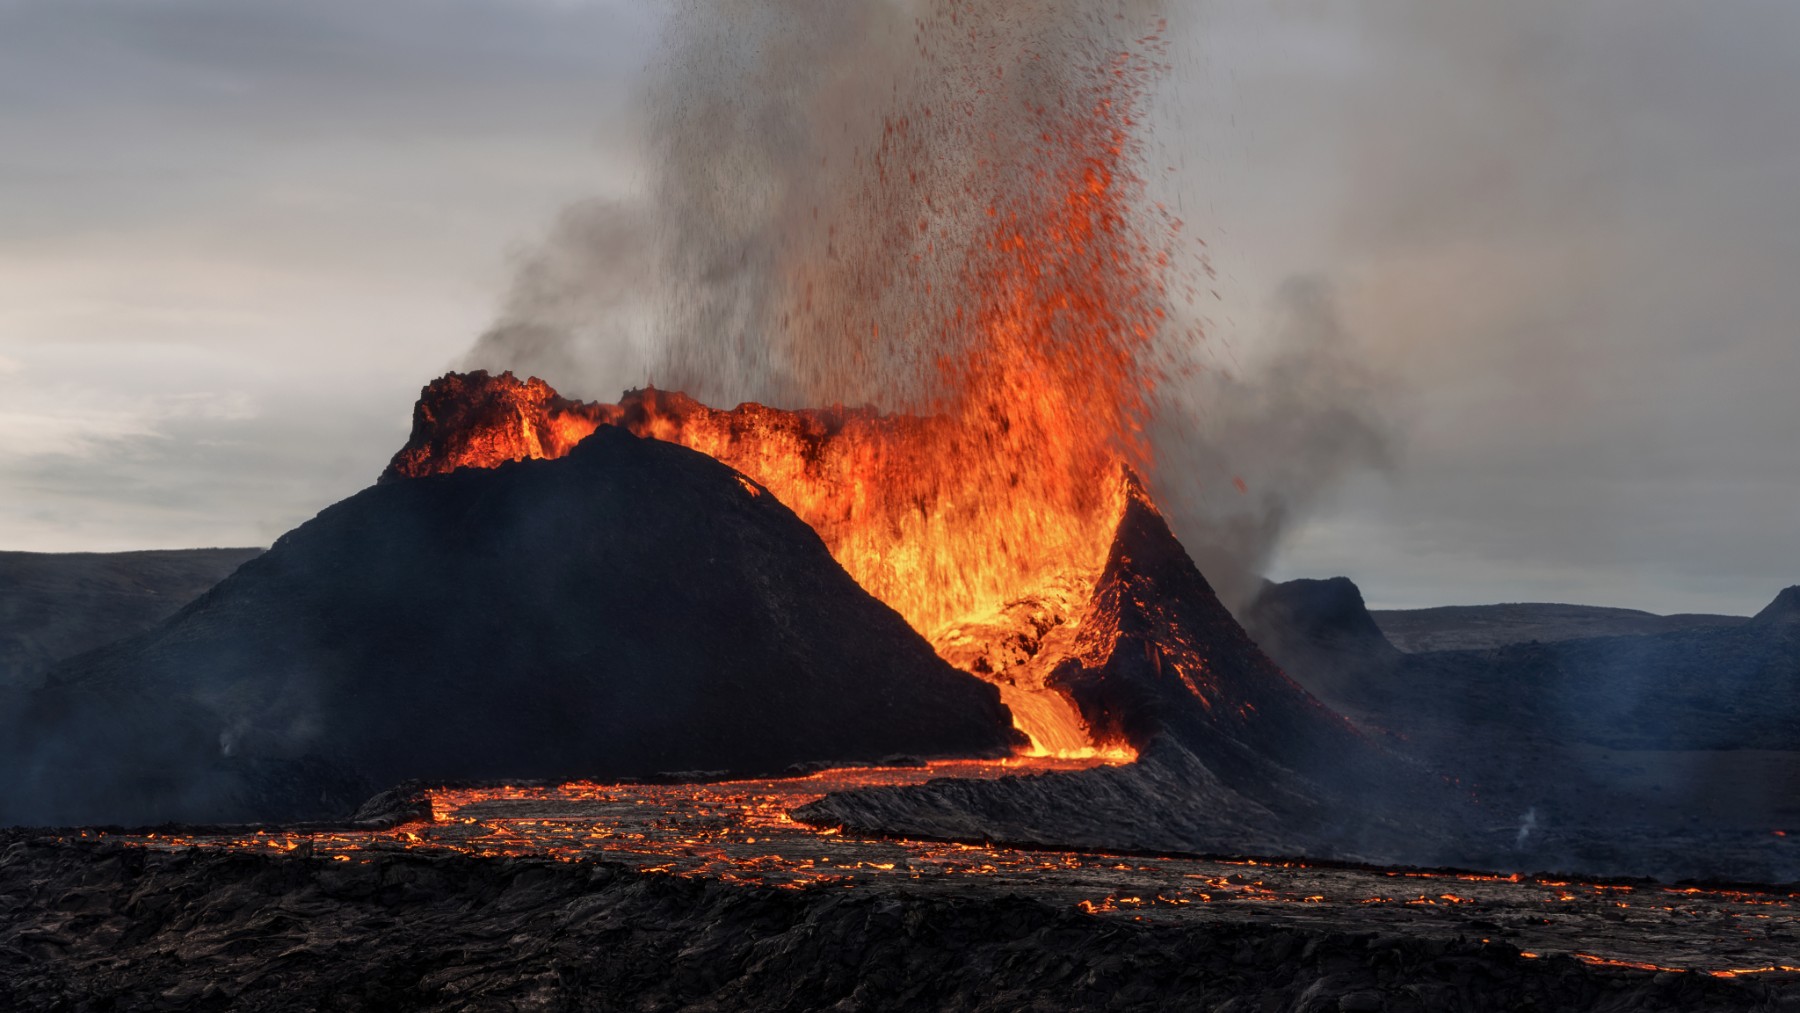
634, 607
1234, 756
1321, 634
55, 605
1671, 754
1466, 627
1159, 654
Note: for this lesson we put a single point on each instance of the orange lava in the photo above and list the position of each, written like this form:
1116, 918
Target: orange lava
1017, 340
742, 832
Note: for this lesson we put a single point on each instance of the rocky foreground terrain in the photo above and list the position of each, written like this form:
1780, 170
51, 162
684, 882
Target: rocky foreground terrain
711, 897
117, 927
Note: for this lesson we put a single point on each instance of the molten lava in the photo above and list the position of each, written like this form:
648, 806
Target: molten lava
1001, 284
996, 583
741, 832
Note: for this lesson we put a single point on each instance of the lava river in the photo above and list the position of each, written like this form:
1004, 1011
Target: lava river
742, 831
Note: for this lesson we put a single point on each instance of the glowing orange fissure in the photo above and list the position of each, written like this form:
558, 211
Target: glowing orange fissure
743, 832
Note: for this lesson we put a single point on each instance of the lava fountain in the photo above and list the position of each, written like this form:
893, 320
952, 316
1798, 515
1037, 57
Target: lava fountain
1015, 329
883, 493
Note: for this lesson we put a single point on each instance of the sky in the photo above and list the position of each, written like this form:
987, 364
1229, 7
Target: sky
1546, 252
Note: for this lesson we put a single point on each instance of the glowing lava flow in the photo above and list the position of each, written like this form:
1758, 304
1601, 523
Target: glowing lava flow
741, 832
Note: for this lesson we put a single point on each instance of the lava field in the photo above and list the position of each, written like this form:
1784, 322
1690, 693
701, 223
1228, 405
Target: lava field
745, 833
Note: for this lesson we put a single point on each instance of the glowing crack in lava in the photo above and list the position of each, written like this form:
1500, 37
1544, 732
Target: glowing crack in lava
741, 832
1015, 332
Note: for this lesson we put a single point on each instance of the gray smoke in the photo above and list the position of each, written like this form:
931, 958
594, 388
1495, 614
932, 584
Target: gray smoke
1245, 453
779, 222
576, 313
1563, 225
744, 107
1527, 823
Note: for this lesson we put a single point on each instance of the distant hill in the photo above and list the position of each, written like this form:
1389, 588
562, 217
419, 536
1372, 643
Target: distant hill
55, 605
1588, 740
1473, 627
1710, 686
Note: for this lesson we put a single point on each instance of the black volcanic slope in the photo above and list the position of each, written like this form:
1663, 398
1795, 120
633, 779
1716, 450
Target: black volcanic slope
1234, 756
1322, 634
1606, 754
1158, 655
631, 608
55, 605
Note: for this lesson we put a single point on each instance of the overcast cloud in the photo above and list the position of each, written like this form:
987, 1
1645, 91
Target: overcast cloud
1558, 237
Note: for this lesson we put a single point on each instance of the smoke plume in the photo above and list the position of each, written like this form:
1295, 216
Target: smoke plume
815, 230
818, 174
1247, 453
575, 313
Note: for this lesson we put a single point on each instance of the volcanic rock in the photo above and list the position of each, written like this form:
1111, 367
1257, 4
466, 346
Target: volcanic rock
111, 927
1711, 687
478, 419
1318, 615
1329, 610
1234, 756
1322, 635
630, 608
1158, 654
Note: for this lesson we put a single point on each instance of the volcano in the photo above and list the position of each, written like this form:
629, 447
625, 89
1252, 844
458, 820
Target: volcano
632, 607
1135, 656
984, 548
548, 588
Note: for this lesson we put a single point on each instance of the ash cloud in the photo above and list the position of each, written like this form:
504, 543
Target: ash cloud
1559, 232
742, 110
